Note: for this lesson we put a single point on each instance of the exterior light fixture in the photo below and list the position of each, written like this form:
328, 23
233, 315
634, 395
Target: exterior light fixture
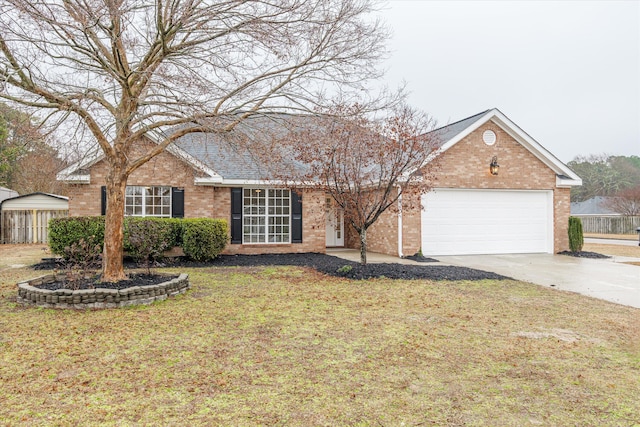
494, 166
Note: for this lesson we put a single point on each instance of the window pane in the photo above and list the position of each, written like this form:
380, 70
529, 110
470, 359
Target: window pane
148, 201
266, 215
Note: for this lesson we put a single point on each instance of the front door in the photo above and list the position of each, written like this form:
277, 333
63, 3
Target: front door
334, 224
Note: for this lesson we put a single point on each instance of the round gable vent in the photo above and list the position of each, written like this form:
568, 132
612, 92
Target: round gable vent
489, 137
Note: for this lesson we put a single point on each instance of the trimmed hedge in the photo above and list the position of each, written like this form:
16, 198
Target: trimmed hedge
160, 234
204, 238
576, 238
64, 232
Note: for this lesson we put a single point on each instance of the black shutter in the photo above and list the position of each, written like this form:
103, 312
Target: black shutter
296, 217
177, 202
236, 215
103, 200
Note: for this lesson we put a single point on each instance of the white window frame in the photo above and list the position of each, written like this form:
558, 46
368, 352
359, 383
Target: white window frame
266, 216
138, 200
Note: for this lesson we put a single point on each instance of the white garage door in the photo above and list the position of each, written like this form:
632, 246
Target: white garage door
458, 222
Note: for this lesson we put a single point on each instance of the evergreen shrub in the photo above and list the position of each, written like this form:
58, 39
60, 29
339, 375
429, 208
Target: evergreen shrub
203, 239
576, 238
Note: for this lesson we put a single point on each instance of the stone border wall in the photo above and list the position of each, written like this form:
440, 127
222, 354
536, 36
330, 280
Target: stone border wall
84, 299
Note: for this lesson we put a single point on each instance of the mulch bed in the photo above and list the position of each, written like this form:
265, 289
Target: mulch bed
135, 279
584, 254
326, 264
339, 267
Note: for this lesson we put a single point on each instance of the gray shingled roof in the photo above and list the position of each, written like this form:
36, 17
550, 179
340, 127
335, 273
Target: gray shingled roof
591, 206
228, 159
234, 155
448, 132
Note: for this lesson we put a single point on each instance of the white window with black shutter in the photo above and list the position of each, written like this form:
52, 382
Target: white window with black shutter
264, 216
145, 201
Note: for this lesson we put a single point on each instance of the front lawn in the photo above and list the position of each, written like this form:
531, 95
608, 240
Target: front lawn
289, 346
613, 250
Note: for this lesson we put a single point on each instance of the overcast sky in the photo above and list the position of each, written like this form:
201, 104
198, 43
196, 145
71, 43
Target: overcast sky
568, 73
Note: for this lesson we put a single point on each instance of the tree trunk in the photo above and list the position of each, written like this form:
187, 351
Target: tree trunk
112, 265
363, 246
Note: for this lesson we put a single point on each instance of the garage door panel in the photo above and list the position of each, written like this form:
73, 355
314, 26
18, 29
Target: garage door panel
486, 221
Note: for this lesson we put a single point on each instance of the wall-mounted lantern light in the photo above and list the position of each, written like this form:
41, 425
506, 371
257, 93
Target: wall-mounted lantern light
494, 167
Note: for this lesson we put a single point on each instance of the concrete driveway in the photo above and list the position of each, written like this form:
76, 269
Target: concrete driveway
608, 279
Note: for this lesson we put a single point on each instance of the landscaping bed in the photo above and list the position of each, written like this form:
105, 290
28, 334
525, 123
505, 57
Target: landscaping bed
326, 264
53, 291
584, 254
340, 267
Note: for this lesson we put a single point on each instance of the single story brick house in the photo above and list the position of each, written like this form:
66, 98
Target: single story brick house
520, 207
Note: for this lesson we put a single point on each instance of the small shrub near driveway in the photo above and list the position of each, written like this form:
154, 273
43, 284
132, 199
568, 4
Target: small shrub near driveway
204, 238
576, 238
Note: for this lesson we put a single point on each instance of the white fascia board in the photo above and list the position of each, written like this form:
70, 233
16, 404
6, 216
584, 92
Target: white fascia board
74, 178
563, 181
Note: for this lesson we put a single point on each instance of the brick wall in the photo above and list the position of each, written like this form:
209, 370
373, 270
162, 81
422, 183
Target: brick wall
199, 201
466, 165
561, 212
382, 236
163, 170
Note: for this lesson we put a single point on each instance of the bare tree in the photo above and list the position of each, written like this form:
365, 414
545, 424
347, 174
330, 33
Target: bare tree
126, 69
366, 164
18, 135
36, 171
625, 202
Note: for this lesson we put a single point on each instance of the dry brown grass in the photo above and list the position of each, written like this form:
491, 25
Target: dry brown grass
17, 255
613, 250
287, 346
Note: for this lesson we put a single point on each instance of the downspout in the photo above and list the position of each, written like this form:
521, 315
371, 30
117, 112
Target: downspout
400, 254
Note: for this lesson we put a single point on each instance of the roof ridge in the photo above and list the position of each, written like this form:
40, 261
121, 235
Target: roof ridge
462, 120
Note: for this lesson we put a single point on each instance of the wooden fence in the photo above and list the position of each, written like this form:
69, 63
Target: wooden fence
27, 226
612, 224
